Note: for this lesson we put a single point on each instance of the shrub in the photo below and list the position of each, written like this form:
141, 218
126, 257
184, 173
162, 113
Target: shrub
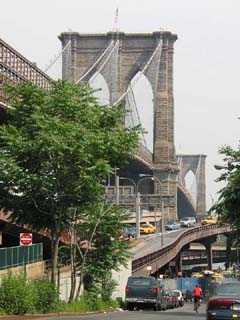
16, 297
107, 288
47, 295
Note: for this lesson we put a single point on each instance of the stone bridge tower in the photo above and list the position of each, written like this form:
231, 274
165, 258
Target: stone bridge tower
134, 52
195, 164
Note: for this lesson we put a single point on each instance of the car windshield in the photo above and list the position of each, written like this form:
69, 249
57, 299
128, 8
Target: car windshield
177, 293
185, 219
229, 289
143, 282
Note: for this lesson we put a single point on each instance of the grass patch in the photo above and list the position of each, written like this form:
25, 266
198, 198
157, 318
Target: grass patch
86, 305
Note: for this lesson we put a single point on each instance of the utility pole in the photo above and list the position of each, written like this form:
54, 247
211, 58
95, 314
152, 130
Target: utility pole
138, 212
162, 223
116, 188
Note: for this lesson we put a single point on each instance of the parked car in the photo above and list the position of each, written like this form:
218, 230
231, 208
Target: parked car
131, 232
174, 225
144, 291
188, 222
127, 232
170, 300
174, 299
147, 228
226, 303
209, 220
180, 297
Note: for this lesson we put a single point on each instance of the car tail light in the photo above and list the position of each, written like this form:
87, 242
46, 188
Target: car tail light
224, 302
155, 290
127, 289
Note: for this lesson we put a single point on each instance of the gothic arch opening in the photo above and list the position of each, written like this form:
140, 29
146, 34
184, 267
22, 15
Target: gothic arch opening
144, 99
191, 185
98, 83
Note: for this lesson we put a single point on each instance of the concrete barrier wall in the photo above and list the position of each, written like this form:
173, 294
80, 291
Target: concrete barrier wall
121, 278
33, 271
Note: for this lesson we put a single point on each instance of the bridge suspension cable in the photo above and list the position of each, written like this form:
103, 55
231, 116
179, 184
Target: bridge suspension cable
132, 118
114, 52
98, 60
52, 62
139, 75
106, 64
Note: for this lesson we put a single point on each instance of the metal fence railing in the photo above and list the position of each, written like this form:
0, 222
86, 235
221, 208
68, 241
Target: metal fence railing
21, 255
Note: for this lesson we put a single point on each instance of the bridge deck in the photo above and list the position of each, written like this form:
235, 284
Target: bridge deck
160, 257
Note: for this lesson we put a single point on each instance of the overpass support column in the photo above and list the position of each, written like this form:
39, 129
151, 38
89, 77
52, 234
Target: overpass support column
228, 250
208, 245
209, 255
178, 263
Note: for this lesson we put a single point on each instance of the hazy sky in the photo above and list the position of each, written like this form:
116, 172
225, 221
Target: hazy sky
207, 66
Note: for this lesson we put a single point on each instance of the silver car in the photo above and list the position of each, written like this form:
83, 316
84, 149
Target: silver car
188, 222
174, 225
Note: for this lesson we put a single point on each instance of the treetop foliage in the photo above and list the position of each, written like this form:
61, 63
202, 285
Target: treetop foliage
56, 150
228, 204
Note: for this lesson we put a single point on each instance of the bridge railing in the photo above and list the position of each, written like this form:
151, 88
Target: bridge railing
14, 68
172, 249
146, 200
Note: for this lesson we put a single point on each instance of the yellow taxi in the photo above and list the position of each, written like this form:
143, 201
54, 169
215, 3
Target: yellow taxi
147, 228
197, 275
218, 276
209, 220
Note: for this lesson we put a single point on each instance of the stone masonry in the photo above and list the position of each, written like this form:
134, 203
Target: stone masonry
196, 164
135, 51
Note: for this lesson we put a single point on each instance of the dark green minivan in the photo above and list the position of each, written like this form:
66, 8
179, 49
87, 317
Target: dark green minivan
144, 291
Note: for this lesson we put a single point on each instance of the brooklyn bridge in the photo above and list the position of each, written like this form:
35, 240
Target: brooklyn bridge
121, 59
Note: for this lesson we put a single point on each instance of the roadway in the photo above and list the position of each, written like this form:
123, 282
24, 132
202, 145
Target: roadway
150, 243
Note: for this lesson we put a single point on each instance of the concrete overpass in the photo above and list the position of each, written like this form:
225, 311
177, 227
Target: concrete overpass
158, 258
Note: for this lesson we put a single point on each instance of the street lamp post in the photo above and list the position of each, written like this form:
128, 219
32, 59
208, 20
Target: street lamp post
137, 200
162, 222
137, 205
138, 215
145, 177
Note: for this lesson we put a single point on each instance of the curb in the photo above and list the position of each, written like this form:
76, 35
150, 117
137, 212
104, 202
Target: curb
51, 315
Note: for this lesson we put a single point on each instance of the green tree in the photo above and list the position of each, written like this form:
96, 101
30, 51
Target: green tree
101, 247
56, 149
228, 204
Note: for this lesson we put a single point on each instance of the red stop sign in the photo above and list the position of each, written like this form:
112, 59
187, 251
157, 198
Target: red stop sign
25, 239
